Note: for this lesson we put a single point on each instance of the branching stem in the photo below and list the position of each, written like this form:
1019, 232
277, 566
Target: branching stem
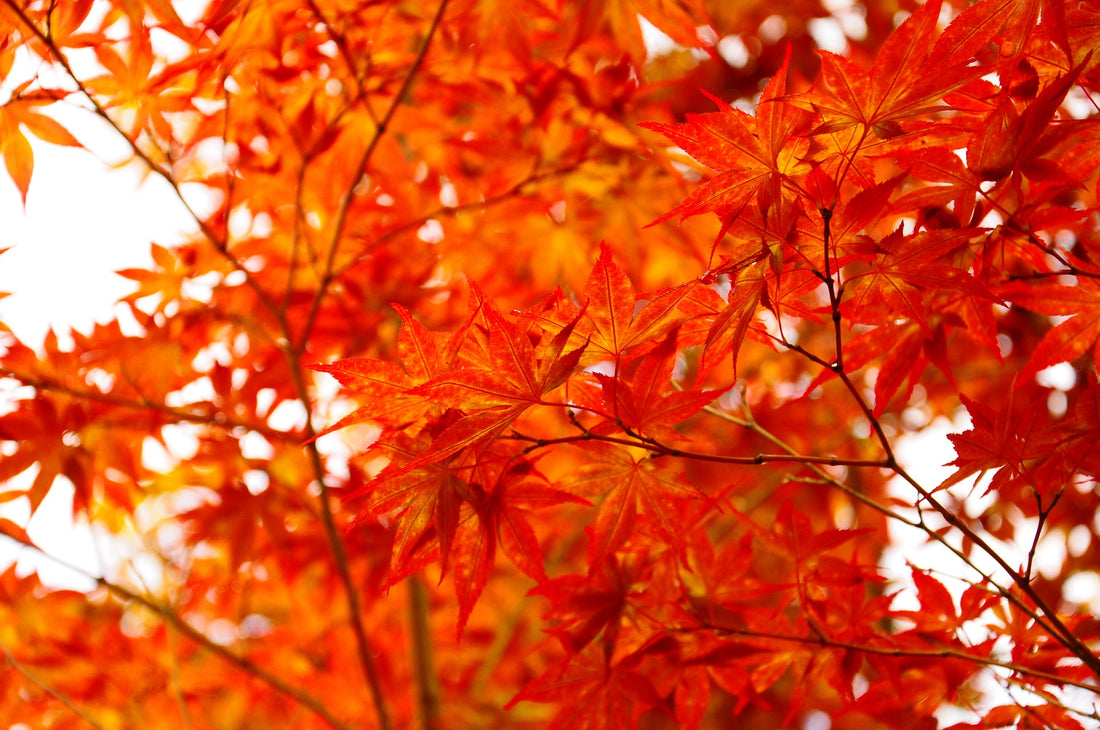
1045, 615
819, 639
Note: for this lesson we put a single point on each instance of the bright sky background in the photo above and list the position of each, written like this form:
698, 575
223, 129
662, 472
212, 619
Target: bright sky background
83, 221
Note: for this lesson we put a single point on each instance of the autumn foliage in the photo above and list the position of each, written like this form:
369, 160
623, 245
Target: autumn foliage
520, 373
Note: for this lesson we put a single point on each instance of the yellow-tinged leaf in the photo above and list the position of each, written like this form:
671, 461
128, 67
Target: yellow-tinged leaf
48, 129
18, 155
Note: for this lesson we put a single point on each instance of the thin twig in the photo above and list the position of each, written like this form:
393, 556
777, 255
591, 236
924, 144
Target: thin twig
658, 449
751, 424
452, 210
1046, 615
360, 167
216, 419
934, 653
51, 691
276, 683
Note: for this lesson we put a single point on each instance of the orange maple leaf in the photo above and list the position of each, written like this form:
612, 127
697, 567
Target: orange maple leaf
755, 158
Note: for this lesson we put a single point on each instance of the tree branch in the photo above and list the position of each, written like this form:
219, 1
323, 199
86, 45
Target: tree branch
427, 686
300, 696
934, 653
51, 691
216, 419
360, 167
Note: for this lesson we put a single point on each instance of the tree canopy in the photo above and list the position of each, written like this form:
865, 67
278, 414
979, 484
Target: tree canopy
548, 364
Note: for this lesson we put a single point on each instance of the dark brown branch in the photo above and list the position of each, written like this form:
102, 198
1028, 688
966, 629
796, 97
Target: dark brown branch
293, 353
336, 545
658, 449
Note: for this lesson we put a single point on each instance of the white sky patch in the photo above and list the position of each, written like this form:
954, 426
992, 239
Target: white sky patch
52, 528
773, 29
850, 16
828, 35
657, 43
734, 51
288, 416
431, 231
1084, 589
82, 223
1061, 376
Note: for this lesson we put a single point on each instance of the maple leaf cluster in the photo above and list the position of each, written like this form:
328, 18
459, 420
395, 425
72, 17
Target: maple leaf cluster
627, 370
